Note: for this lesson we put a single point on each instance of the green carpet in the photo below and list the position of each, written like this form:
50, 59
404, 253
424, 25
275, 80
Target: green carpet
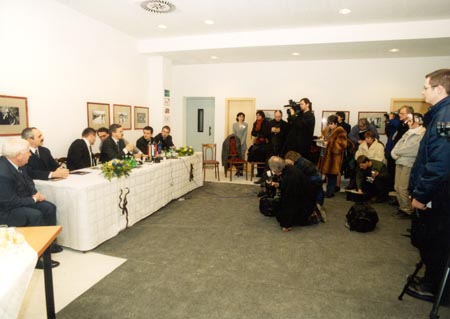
213, 255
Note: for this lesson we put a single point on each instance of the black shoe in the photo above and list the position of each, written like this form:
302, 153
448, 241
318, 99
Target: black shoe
261, 193
393, 201
337, 189
40, 264
329, 195
420, 291
259, 181
55, 248
400, 214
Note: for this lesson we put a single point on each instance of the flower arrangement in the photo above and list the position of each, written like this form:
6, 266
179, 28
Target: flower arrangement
116, 168
185, 151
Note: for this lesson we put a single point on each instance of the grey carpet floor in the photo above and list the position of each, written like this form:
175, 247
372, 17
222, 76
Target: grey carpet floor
214, 256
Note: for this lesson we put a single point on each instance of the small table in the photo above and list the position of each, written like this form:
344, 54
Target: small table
40, 239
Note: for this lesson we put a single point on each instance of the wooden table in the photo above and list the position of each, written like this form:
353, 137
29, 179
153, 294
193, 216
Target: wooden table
40, 239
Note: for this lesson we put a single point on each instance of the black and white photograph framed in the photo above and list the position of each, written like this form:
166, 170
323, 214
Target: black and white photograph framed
327, 113
13, 115
122, 115
270, 114
141, 117
375, 118
98, 115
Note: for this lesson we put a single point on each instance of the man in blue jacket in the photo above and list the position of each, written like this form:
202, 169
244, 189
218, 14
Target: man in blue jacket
429, 188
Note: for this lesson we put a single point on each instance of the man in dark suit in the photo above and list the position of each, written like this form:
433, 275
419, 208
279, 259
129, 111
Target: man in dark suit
114, 146
103, 134
145, 140
80, 153
41, 164
20, 203
164, 138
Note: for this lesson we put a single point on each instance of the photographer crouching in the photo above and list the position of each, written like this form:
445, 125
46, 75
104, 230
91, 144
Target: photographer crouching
292, 185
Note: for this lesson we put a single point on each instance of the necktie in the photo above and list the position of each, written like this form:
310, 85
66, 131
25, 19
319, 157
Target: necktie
92, 156
37, 153
118, 147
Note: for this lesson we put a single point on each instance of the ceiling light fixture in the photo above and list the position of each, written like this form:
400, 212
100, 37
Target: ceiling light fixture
162, 26
295, 53
394, 50
157, 6
345, 11
213, 57
209, 21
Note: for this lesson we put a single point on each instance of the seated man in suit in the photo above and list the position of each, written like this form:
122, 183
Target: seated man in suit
165, 138
20, 203
103, 134
143, 142
80, 153
115, 146
41, 164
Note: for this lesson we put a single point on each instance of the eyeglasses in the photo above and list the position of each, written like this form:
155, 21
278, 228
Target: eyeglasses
429, 87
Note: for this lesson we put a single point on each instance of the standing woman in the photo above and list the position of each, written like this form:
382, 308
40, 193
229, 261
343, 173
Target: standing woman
261, 149
240, 130
330, 161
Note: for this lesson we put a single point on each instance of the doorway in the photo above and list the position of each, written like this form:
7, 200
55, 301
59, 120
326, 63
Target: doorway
199, 121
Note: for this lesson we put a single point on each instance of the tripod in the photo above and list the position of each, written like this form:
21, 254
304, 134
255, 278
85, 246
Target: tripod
434, 310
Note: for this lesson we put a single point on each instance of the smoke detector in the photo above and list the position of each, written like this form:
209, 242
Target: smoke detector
157, 6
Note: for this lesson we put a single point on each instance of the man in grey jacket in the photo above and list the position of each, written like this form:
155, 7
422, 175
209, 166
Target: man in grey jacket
404, 153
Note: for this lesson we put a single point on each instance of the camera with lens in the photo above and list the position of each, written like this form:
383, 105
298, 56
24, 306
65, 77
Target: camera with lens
295, 106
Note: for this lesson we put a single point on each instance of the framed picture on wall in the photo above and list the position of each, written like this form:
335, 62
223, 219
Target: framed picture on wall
140, 117
375, 118
98, 115
325, 115
269, 114
122, 115
13, 115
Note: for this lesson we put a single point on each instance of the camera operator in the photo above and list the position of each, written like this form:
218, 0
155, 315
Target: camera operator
293, 199
302, 122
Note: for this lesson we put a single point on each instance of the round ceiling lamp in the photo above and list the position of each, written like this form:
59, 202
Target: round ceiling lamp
157, 6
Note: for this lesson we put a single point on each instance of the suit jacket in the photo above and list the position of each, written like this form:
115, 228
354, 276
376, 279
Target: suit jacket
110, 150
16, 189
40, 167
78, 155
142, 144
165, 143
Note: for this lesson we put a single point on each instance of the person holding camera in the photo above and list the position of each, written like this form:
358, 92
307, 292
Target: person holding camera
372, 178
302, 122
293, 198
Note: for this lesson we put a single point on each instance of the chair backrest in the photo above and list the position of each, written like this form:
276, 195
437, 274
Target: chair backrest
209, 152
232, 150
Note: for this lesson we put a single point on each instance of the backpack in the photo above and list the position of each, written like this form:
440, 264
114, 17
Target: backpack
362, 218
268, 205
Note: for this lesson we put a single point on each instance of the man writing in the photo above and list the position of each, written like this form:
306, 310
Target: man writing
164, 138
371, 179
429, 188
20, 203
41, 164
80, 153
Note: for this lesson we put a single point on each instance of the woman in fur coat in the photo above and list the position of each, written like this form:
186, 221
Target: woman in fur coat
330, 162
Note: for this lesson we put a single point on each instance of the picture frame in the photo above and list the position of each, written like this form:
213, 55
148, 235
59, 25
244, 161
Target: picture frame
98, 115
327, 113
141, 117
269, 114
13, 115
122, 115
375, 118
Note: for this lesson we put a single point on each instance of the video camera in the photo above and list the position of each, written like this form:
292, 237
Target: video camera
295, 106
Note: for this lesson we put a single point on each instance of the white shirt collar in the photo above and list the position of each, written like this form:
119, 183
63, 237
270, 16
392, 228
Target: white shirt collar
15, 166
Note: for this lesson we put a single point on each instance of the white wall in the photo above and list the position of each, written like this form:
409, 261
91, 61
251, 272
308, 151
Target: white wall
354, 85
60, 60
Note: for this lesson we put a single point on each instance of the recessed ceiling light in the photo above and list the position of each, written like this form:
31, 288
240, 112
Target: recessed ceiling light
209, 21
213, 57
345, 11
295, 53
394, 50
162, 26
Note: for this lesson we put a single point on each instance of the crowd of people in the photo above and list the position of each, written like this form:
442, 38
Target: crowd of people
414, 162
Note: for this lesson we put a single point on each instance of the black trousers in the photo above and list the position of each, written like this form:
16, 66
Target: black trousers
39, 214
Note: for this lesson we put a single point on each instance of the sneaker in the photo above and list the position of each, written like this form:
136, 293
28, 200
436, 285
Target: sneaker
321, 214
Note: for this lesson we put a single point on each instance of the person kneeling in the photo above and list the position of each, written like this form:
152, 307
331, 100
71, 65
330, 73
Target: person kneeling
372, 179
293, 197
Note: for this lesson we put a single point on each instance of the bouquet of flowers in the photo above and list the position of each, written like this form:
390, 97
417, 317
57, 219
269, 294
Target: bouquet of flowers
185, 151
116, 168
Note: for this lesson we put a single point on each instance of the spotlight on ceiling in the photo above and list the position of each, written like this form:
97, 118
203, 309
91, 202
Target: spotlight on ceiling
208, 21
345, 11
295, 53
157, 6
394, 50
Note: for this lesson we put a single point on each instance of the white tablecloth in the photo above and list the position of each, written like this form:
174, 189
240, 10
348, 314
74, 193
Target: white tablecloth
17, 264
87, 205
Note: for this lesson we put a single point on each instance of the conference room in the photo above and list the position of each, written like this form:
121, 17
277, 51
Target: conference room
175, 240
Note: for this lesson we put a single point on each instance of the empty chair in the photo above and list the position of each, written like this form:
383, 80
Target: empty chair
209, 159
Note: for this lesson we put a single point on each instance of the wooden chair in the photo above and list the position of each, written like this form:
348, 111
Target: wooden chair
238, 162
256, 165
209, 159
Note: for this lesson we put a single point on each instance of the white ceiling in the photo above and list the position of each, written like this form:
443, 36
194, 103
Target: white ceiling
239, 16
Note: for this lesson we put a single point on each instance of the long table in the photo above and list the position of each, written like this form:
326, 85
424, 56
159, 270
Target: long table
88, 205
